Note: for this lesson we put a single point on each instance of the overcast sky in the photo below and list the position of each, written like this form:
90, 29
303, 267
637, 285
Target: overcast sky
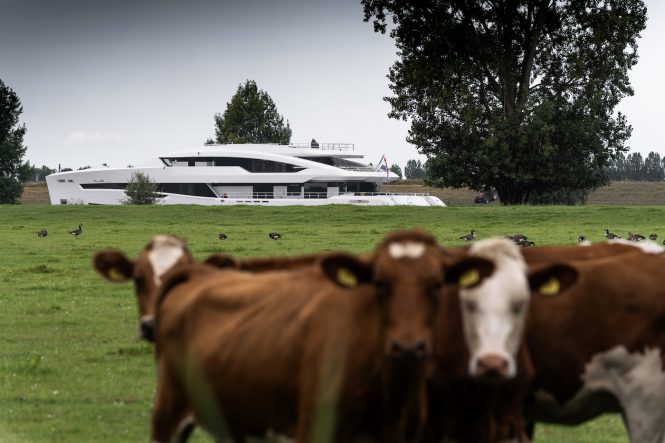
123, 81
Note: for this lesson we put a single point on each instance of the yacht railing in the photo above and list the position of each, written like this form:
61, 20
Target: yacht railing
411, 194
326, 146
305, 195
358, 169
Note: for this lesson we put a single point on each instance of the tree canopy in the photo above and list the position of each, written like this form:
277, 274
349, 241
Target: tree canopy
13, 170
394, 168
515, 94
414, 169
251, 117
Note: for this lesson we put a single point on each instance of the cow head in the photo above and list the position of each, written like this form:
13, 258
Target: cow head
494, 295
163, 253
406, 272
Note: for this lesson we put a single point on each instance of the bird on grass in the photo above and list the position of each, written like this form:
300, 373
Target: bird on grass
42, 233
77, 232
653, 237
525, 243
581, 239
635, 237
223, 236
275, 235
517, 237
470, 236
610, 235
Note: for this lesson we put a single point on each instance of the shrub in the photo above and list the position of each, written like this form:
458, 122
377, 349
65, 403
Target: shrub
141, 190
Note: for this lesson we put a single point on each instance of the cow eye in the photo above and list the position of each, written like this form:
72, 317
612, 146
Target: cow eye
517, 307
470, 306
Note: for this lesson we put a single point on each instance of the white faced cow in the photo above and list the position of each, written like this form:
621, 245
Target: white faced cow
161, 254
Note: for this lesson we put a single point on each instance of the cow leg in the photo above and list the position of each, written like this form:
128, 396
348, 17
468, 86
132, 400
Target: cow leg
170, 408
185, 430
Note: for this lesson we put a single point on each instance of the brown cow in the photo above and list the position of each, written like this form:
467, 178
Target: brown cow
161, 254
482, 369
304, 351
165, 252
619, 302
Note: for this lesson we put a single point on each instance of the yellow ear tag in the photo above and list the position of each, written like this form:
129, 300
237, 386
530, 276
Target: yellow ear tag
116, 275
469, 278
550, 288
347, 278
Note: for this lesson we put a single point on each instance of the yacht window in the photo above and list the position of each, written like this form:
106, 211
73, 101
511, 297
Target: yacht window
316, 190
104, 185
257, 165
196, 189
358, 187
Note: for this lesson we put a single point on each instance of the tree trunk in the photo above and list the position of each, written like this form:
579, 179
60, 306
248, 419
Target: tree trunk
511, 194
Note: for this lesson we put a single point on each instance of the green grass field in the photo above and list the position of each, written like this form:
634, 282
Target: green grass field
71, 366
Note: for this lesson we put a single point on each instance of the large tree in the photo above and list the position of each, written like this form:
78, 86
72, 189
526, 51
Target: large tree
251, 117
13, 170
515, 94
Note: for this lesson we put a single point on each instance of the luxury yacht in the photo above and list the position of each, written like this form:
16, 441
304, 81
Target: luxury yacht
246, 174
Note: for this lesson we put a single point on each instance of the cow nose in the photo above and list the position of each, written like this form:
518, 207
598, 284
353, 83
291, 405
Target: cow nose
147, 329
491, 366
413, 349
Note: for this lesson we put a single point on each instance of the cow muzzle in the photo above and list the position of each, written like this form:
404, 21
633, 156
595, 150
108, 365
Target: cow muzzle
491, 367
408, 349
147, 329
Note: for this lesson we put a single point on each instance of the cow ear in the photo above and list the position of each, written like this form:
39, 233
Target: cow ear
222, 261
552, 280
468, 272
346, 270
113, 265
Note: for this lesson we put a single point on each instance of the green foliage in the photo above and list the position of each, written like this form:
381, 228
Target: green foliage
36, 174
414, 169
518, 95
13, 171
141, 190
251, 117
394, 168
651, 169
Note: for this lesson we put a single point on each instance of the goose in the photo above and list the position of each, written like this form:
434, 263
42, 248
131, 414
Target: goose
275, 235
635, 237
223, 236
653, 237
77, 232
470, 236
525, 243
42, 233
610, 235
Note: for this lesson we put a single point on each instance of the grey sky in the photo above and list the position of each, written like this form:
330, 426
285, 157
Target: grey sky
123, 81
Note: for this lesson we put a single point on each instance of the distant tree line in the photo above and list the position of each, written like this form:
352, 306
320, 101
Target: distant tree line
634, 167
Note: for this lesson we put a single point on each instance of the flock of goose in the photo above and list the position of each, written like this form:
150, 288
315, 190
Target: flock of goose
523, 241
75, 232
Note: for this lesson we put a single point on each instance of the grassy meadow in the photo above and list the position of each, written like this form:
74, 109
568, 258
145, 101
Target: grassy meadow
71, 366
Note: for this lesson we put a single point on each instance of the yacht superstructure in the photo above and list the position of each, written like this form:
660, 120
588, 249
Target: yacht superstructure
251, 174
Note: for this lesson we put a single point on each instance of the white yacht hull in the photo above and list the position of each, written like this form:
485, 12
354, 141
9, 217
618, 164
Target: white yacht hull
115, 197
267, 175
